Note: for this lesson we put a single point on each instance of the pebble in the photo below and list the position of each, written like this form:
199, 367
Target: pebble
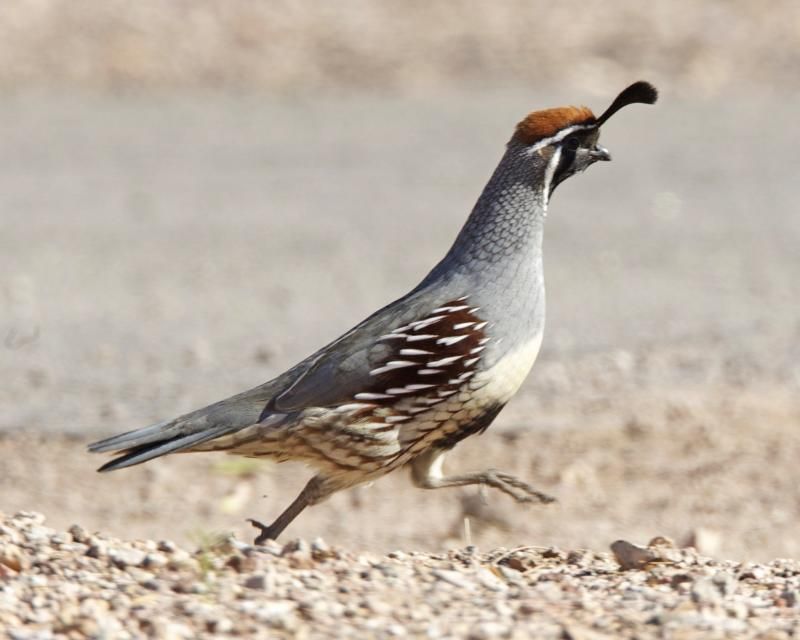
705, 592
96, 586
123, 558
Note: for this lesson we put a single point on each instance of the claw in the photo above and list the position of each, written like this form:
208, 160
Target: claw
266, 532
508, 483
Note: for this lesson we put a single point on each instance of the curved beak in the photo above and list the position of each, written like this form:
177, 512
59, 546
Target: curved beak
599, 153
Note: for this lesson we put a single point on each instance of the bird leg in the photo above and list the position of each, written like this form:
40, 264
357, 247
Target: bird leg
312, 493
426, 472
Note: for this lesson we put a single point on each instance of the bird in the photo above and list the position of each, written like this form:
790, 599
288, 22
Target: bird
404, 386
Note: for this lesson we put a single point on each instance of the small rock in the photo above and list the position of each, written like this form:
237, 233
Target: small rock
12, 556
279, 614
515, 563
490, 581
455, 578
175, 631
79, 534
60, 538
154, 561
296, 546
152, 584
257, 581
220, 625
705, 592
180, 559
680, 581
320, 548
29, 517
631, 556
97, 548
725, 582
122, 558
661, 541
737, 609
510, 575
752, 572
789, 598
580, 557
166, 546
488, 631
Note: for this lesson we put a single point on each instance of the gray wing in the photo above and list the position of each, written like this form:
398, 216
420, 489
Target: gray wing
356, 363
341, 369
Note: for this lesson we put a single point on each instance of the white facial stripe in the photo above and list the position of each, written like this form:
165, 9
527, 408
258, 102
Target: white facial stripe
548, 175
558, 137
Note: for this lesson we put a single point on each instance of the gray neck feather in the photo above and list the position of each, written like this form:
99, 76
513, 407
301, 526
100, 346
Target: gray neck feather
504, 231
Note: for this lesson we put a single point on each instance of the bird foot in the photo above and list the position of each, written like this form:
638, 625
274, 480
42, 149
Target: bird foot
267, 533
518, 489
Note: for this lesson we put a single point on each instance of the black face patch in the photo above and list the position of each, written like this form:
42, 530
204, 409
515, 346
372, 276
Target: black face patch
569, 149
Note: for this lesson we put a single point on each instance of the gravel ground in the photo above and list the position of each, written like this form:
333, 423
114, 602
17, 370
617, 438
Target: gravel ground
76, 584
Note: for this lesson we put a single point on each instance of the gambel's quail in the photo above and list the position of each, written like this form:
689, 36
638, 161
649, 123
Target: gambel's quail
423, 373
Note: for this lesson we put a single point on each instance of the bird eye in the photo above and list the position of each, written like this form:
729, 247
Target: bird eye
572, 143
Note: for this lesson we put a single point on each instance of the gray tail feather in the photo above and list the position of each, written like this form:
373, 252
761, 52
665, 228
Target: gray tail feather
139, 446
130, 439
190, 430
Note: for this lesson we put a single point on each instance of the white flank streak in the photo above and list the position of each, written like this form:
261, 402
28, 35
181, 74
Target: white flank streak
421, 336
484, 340
476, 349
415, 352
480, 326
401, 329
431, 401
450, 309
429, 372
353, 406
391, 336
466, 376
392, 365
470, 362
393, 419
445, 394
416, 410
451, 340
444, 361
421, 324
419, 387
463, 325
399, 391
371, 396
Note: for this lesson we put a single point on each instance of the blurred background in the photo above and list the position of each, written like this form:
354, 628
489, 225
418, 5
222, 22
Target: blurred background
195, 195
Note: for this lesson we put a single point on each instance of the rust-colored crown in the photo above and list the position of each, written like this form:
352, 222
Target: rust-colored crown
548, 122
543, 124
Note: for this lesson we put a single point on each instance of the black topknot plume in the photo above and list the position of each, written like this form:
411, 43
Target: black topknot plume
641, 91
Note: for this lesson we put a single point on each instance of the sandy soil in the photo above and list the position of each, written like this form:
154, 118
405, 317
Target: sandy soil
296, 46
160, 253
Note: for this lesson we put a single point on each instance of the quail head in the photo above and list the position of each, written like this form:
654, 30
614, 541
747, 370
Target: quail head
421, 374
